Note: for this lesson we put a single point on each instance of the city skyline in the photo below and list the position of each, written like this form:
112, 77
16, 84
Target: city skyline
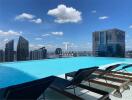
22, 53
58, 23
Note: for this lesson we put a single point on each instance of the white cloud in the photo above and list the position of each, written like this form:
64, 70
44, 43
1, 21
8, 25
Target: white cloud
50, 46
37, 46
38, 38
5, 40
53, 34
65, 14
103, 17
94, 11
28, 17
65, 42
9, 33
37, 21
24, 16
57, 33
5, 36
44, 35
130, 26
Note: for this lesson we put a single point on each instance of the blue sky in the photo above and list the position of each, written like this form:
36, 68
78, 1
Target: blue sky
55, 23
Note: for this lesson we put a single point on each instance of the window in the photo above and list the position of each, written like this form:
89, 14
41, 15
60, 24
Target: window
102, 38
109, 37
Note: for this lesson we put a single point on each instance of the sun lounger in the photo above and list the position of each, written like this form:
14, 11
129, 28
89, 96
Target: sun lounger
61, 85
121, 73
123, 70
107, 70
27, 91
125, 67
102, 74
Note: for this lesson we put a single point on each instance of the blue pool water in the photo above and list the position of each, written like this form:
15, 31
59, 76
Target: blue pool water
19, 72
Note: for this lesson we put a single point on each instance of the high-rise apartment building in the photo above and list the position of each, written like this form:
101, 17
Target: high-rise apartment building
1, 55
38, 54
9, 51
22, 49
109, 43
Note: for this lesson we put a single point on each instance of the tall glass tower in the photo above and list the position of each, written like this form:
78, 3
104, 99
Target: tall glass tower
1, 55
109, 43
22, 49
9, 51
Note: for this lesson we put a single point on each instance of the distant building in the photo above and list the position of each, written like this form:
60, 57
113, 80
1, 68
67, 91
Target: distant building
1, 55
38, 54
66, 44
128, 54
9, 51
109, 43
15, 55
58, 52
22, 49
34, 55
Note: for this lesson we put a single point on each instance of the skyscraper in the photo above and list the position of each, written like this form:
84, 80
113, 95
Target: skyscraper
44, 52
1, 55
38, 54
22, 49
109, 43
58, 52
66, 44
9, 51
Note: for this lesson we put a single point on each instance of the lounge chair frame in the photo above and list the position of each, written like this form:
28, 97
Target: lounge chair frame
106, 75
105, 95
76, 82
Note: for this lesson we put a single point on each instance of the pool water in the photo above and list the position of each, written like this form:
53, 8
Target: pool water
19, 72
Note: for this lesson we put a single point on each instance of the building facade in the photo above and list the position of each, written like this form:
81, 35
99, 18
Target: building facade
58, 52
109, 43
38, 54
128, 54
9, 51
22, 49
1, 56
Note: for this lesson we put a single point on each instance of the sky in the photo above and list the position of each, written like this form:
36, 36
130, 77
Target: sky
57, 23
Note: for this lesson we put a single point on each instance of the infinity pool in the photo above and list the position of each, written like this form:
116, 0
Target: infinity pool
19, 72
